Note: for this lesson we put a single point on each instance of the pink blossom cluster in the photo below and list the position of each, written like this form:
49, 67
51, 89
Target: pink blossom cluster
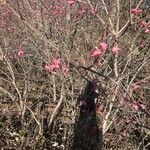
145, 25
136, 11
103, 46
138, 106
54, 66
71, 2
116, 50
100, 50
81, 11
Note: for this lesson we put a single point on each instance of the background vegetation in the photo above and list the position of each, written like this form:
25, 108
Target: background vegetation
51, 49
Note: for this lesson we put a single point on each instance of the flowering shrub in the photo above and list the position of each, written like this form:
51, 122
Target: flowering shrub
50, 49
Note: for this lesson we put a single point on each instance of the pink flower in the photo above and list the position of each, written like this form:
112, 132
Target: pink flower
70, 2
49, 67
81, 11
104, 46
143, 23
55, 65
147, 30
142, 106
96, 53
57, 61
136, 87
93, 11
135, 106
116, 50
136, 11
21, 52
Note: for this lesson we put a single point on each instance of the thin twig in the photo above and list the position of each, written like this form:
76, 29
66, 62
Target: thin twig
57, 107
